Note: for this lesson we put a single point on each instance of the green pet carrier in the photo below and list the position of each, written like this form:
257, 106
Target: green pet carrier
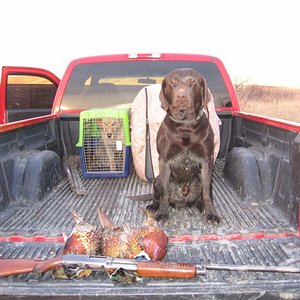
104, 141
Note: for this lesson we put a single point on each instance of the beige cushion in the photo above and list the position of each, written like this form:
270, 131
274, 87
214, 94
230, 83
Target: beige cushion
156, 115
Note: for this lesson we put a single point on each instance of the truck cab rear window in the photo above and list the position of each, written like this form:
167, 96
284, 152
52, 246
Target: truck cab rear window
115, 84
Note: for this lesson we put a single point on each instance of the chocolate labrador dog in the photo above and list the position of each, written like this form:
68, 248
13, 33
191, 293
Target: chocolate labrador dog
185, 146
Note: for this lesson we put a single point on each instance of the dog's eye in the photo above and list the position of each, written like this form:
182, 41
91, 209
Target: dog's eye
191, 81
173, 81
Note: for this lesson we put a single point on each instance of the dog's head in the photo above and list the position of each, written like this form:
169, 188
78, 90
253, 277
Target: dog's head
110, 127
183, 94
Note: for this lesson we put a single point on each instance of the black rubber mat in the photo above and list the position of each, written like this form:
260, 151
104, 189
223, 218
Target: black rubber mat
52, 216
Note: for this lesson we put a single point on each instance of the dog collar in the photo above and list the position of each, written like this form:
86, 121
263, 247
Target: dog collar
188, 121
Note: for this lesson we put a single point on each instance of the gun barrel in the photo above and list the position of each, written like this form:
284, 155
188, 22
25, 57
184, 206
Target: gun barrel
253, 268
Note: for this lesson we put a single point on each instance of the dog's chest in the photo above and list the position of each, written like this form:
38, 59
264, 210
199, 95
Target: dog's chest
187, 138
190, 144
185, 141
184, 166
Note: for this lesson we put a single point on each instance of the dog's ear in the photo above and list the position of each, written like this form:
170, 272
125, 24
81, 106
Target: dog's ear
205, 93
162, 98
99, 122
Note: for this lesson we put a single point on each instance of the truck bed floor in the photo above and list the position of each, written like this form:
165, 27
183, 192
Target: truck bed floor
52, 217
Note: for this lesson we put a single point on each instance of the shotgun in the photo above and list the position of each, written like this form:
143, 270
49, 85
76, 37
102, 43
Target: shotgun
144, 268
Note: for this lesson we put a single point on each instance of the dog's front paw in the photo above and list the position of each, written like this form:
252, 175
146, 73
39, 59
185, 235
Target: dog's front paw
200, 205
162, 215
212, 218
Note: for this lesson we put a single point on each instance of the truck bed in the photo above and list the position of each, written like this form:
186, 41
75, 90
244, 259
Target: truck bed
249, 233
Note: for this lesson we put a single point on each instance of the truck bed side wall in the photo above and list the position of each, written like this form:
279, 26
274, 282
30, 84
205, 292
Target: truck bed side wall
30, 162
262, 165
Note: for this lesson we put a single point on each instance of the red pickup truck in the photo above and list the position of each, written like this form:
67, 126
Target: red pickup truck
256, 185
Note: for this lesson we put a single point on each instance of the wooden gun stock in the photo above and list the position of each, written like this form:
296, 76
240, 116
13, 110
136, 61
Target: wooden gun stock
166, 269
16, 266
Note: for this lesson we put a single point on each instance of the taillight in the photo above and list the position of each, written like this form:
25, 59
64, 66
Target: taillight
151, 55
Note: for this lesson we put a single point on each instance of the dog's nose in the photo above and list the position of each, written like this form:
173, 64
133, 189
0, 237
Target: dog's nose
181, 94
109, 135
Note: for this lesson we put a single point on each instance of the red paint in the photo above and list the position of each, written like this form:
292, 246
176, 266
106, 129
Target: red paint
287, 125
173, 239
26, 122
29, 239
230, 237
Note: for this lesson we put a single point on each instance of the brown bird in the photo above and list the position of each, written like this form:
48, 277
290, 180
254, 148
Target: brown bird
129, 241
125, 241
84, 239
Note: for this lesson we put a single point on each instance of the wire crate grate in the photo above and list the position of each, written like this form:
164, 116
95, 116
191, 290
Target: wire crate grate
105, 143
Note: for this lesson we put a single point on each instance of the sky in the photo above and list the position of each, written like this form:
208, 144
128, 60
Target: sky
257, 40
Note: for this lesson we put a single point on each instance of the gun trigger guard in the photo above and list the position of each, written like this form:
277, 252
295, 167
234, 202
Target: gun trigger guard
72, 270
37, 272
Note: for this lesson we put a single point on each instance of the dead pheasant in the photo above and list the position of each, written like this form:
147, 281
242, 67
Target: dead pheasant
145, 242
115, 241
84, 239
130, 242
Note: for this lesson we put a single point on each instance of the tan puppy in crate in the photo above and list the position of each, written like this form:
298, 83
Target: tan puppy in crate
111, 143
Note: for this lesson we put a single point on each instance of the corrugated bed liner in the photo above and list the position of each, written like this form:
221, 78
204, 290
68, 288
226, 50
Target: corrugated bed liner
272, 252
52, 216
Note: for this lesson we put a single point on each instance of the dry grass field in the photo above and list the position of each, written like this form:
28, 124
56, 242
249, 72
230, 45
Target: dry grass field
270, 101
